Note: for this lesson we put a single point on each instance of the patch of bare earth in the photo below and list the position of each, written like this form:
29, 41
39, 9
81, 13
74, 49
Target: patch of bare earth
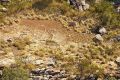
55, 30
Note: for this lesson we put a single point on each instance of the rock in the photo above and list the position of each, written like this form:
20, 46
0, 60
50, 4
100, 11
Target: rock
92, 77
118, 60
37, 72
49, 73
86, 6
71, 24
72, 2
1, 73
9, 40
50, 62
117, 38
28, 58
80, 8
99, 37
38, 62
16, 20
64, 79
118, 9
77, 77
7, 61
102, 30
4, 9
83, 2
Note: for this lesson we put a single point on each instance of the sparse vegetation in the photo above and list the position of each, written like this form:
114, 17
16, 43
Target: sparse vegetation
21, 43
82, 59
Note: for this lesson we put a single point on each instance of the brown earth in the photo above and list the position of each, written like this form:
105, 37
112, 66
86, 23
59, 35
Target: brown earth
56, 30
44, 30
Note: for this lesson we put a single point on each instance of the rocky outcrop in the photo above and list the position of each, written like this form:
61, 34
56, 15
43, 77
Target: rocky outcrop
48, 74
81, 4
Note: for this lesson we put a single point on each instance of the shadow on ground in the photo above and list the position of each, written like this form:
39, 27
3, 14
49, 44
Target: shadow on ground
41, 4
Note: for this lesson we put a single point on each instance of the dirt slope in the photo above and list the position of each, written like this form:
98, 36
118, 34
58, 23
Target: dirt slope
56, 31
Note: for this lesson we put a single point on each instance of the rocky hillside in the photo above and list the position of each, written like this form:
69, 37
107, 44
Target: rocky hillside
56, 40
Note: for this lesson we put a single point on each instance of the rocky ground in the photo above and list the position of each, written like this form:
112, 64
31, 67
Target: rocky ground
49, 42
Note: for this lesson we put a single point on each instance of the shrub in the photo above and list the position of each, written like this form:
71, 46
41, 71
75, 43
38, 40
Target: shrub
17, 5
18, 73
86, 68
21, 43
106, 13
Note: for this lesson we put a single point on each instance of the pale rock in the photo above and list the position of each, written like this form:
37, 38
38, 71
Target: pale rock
99, 37
50, 61
29, 58
4, 9
118, 9
83, 2
7, 61
80, 8
102, 30
64, 79
86, 6
118, 60
38, 62
1, 72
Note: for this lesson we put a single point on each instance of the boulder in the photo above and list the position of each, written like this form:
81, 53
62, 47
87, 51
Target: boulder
99, 37
102, 30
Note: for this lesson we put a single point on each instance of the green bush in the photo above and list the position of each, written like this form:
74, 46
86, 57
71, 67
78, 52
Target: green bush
18, 73
106, 13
